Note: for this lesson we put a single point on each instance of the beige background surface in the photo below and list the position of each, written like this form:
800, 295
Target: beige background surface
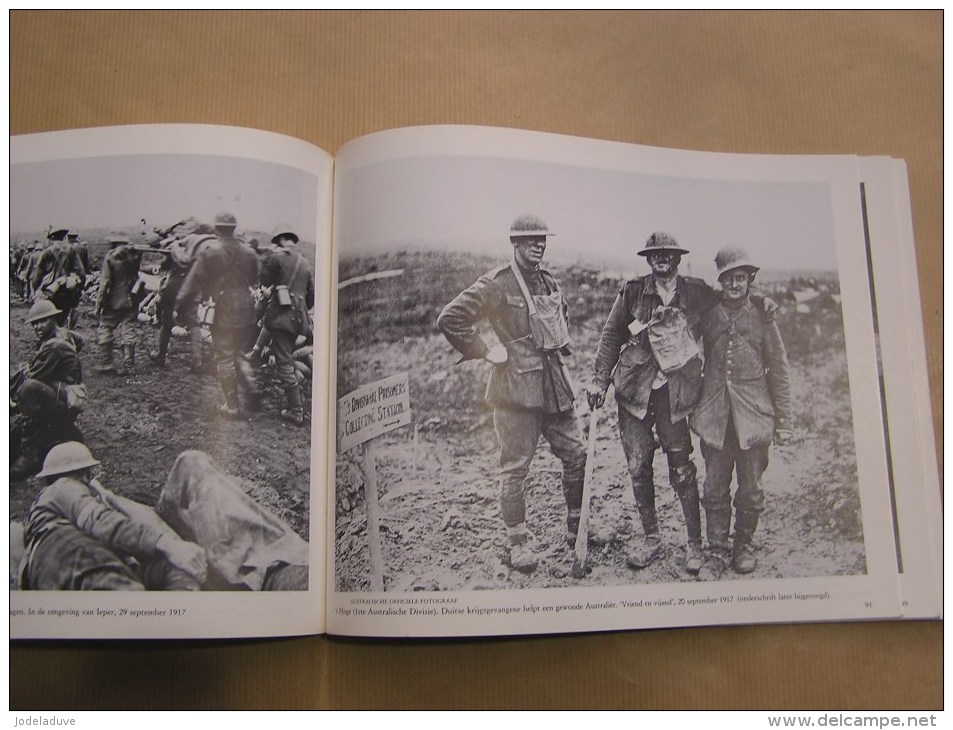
772, 82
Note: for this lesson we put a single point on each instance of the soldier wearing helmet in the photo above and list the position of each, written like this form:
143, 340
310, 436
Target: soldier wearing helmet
80, 536
649, 397
529, 388
117, 303
45, 391
745, 404
226, 269
287, 275
59, 275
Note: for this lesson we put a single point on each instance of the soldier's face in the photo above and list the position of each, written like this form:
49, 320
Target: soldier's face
735, 284
42, 327
663, 263
529, 250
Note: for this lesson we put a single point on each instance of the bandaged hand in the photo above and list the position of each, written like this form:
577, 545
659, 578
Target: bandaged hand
496, 354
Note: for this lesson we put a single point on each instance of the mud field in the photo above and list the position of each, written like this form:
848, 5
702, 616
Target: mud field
440, 521
137, 424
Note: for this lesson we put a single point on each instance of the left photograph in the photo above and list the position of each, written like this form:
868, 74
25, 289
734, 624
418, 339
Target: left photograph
161, 351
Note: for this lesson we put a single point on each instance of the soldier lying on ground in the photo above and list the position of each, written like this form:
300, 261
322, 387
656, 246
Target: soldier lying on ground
204, 533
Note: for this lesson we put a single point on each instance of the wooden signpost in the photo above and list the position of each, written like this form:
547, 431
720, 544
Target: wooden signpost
364, 414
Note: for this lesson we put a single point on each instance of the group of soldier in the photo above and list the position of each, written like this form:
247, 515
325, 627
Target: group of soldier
269, 300
78, 534
682, 357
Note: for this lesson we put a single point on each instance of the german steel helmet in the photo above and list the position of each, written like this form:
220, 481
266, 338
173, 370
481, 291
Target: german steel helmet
662, 242
64, 458
529, 225
41, 309
734, 258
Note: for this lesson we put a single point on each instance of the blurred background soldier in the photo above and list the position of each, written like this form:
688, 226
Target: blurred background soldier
27, 267
226, 269
529, 388
59, 275
180, 253
287, 274
117, 301
81, 249
48, 394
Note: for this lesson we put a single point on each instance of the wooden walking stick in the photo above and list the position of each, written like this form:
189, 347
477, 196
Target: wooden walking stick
581, 548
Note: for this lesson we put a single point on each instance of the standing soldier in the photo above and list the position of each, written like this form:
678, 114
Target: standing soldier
528, 388
59, 276
745, 403
116, 303
180, 252
288, 274
82, 250
649, 397
226, 269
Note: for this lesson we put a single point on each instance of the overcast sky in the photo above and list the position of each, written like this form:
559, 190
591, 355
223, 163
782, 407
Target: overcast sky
116, 191
468, 203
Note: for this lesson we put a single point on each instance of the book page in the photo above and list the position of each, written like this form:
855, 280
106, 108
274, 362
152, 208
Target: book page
914, 480
450, 457
178, 475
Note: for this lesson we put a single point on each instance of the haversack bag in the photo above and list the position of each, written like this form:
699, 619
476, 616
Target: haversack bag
547, 317
671, 339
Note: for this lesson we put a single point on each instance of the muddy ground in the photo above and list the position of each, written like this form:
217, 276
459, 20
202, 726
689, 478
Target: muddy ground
440, 520
137, 424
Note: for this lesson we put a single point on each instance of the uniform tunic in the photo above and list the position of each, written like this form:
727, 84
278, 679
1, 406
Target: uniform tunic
531, 392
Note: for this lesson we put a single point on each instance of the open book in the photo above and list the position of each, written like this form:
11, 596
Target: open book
390, 493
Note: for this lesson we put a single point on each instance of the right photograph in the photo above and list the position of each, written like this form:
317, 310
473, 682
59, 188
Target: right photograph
673, 348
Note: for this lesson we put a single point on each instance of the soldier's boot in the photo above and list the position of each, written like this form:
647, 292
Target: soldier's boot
522, 548
229, 408
27, 463
685, 485
158, 355
573, 483
742, 558
197, 353
650, 546
128, 359
717, 522
104, 359
294, 413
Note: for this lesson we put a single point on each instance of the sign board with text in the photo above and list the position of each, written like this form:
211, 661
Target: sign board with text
372, 410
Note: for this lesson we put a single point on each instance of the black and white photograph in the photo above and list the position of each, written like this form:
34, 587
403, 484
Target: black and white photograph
161, 356
656, 358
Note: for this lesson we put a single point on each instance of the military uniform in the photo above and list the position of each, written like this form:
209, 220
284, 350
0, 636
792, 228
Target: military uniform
288, 268
647, 398
226, 269
59, 275
745, 403
117, 304
746, 397
530, 392
76, 540
45, 416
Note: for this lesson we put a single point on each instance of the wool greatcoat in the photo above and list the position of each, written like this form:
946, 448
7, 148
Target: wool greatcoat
746, 377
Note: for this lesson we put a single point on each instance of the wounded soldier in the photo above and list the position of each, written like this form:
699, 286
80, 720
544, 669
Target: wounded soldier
204, 533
